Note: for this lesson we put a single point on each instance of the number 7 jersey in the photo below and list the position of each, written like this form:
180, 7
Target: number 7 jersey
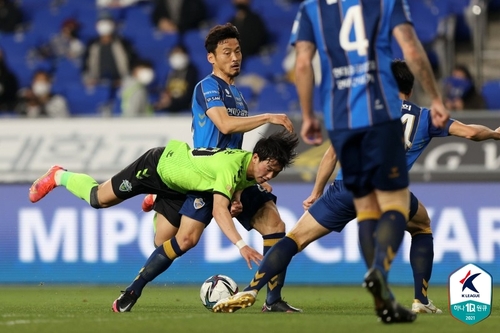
353, 39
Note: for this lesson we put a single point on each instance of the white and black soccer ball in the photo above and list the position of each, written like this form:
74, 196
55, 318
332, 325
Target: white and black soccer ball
216, 288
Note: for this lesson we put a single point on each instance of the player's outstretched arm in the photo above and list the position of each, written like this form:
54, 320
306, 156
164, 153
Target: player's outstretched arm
223, 218
304, 73
228, 124
325, 170
419, 65
473, 132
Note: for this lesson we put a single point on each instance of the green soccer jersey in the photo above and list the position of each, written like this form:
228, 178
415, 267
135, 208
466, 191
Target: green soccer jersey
207, 170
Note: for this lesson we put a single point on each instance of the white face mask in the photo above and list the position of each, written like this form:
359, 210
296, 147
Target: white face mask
145, 76
178, 61
41, 88
105, 27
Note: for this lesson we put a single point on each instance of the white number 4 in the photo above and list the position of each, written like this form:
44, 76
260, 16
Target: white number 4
354, 18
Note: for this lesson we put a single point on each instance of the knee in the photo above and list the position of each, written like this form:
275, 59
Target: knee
186, 242
419, 227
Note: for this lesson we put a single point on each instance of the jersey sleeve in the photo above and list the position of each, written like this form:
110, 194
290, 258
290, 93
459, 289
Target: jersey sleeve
302, 27
436, 131
208, 95
400, 13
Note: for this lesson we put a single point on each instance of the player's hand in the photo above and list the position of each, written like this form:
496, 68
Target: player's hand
236, 208
249, 254
311, 132
439, 113
281, 119
309, 201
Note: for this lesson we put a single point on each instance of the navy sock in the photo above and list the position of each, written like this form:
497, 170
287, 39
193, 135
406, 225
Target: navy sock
275, 261
388, 236
158, 262
366, 235
421, 258
274, 285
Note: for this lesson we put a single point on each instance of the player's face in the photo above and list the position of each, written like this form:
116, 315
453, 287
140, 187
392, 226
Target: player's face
227, 58
265, 170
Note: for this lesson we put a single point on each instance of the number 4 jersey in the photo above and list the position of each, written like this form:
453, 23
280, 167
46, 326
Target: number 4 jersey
353, 38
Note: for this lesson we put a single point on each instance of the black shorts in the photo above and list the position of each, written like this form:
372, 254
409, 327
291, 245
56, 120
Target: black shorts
141, 177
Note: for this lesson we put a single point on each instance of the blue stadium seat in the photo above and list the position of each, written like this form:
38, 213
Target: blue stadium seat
154, 46
278, 98
491, 94
66, 72
83, 100
47, 22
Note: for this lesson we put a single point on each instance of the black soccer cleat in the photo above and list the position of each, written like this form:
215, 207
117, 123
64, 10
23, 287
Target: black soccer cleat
124, 302
279, 306
387, 309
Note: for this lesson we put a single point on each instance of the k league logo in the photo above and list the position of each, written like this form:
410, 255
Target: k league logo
470, 294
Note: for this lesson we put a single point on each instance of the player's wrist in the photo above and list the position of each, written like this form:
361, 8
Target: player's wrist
240, 244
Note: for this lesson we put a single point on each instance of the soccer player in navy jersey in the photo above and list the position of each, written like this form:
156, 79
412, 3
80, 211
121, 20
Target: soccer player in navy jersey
220, 118
361, 113
332, 210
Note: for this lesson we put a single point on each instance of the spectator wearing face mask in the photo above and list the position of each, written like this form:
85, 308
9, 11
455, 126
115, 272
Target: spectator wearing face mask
134, 95
460, 92
253, 32
65, 44
179, 85
108, 58
39, 101
8, 86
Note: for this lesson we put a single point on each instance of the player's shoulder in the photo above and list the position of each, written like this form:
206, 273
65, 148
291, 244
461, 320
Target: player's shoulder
412, 108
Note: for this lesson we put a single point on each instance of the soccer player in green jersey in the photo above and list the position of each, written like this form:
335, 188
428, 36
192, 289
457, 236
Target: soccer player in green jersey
173, 171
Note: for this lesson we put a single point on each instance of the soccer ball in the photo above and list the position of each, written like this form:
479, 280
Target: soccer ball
216, 288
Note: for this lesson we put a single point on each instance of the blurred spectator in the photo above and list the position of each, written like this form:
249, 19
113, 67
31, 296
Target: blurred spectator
460, 92
253, 32
10, 16
8, 86
65, 44
107, 58
134, 94
180, 82
116, 3
39, 101
171, 16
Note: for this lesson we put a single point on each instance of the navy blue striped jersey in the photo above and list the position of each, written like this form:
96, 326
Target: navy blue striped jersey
211, 92
418, 131
353, 39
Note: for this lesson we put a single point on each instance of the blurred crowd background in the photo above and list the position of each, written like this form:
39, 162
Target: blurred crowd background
63, 58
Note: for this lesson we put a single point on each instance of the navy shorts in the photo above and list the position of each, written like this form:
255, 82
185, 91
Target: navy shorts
335, 208
199, 206
372, 157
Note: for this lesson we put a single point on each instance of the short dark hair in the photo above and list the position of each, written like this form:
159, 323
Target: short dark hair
279, 146
142, 63
403, 75
219, 33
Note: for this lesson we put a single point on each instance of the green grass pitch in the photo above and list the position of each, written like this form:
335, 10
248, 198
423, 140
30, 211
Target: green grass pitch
171, 309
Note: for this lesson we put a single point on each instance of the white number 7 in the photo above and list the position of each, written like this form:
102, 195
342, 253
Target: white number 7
354, 18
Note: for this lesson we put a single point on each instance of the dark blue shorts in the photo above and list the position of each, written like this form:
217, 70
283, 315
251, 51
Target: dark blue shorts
372, 157
335, 208
199, 205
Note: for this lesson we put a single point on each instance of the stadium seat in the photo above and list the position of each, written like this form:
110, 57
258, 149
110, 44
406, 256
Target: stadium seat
66, 72
154, 46
47, 22
491, 94
278, 98
84, 100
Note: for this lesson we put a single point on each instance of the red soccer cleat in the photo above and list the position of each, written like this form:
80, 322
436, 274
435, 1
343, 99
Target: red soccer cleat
148, 202
43, 185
